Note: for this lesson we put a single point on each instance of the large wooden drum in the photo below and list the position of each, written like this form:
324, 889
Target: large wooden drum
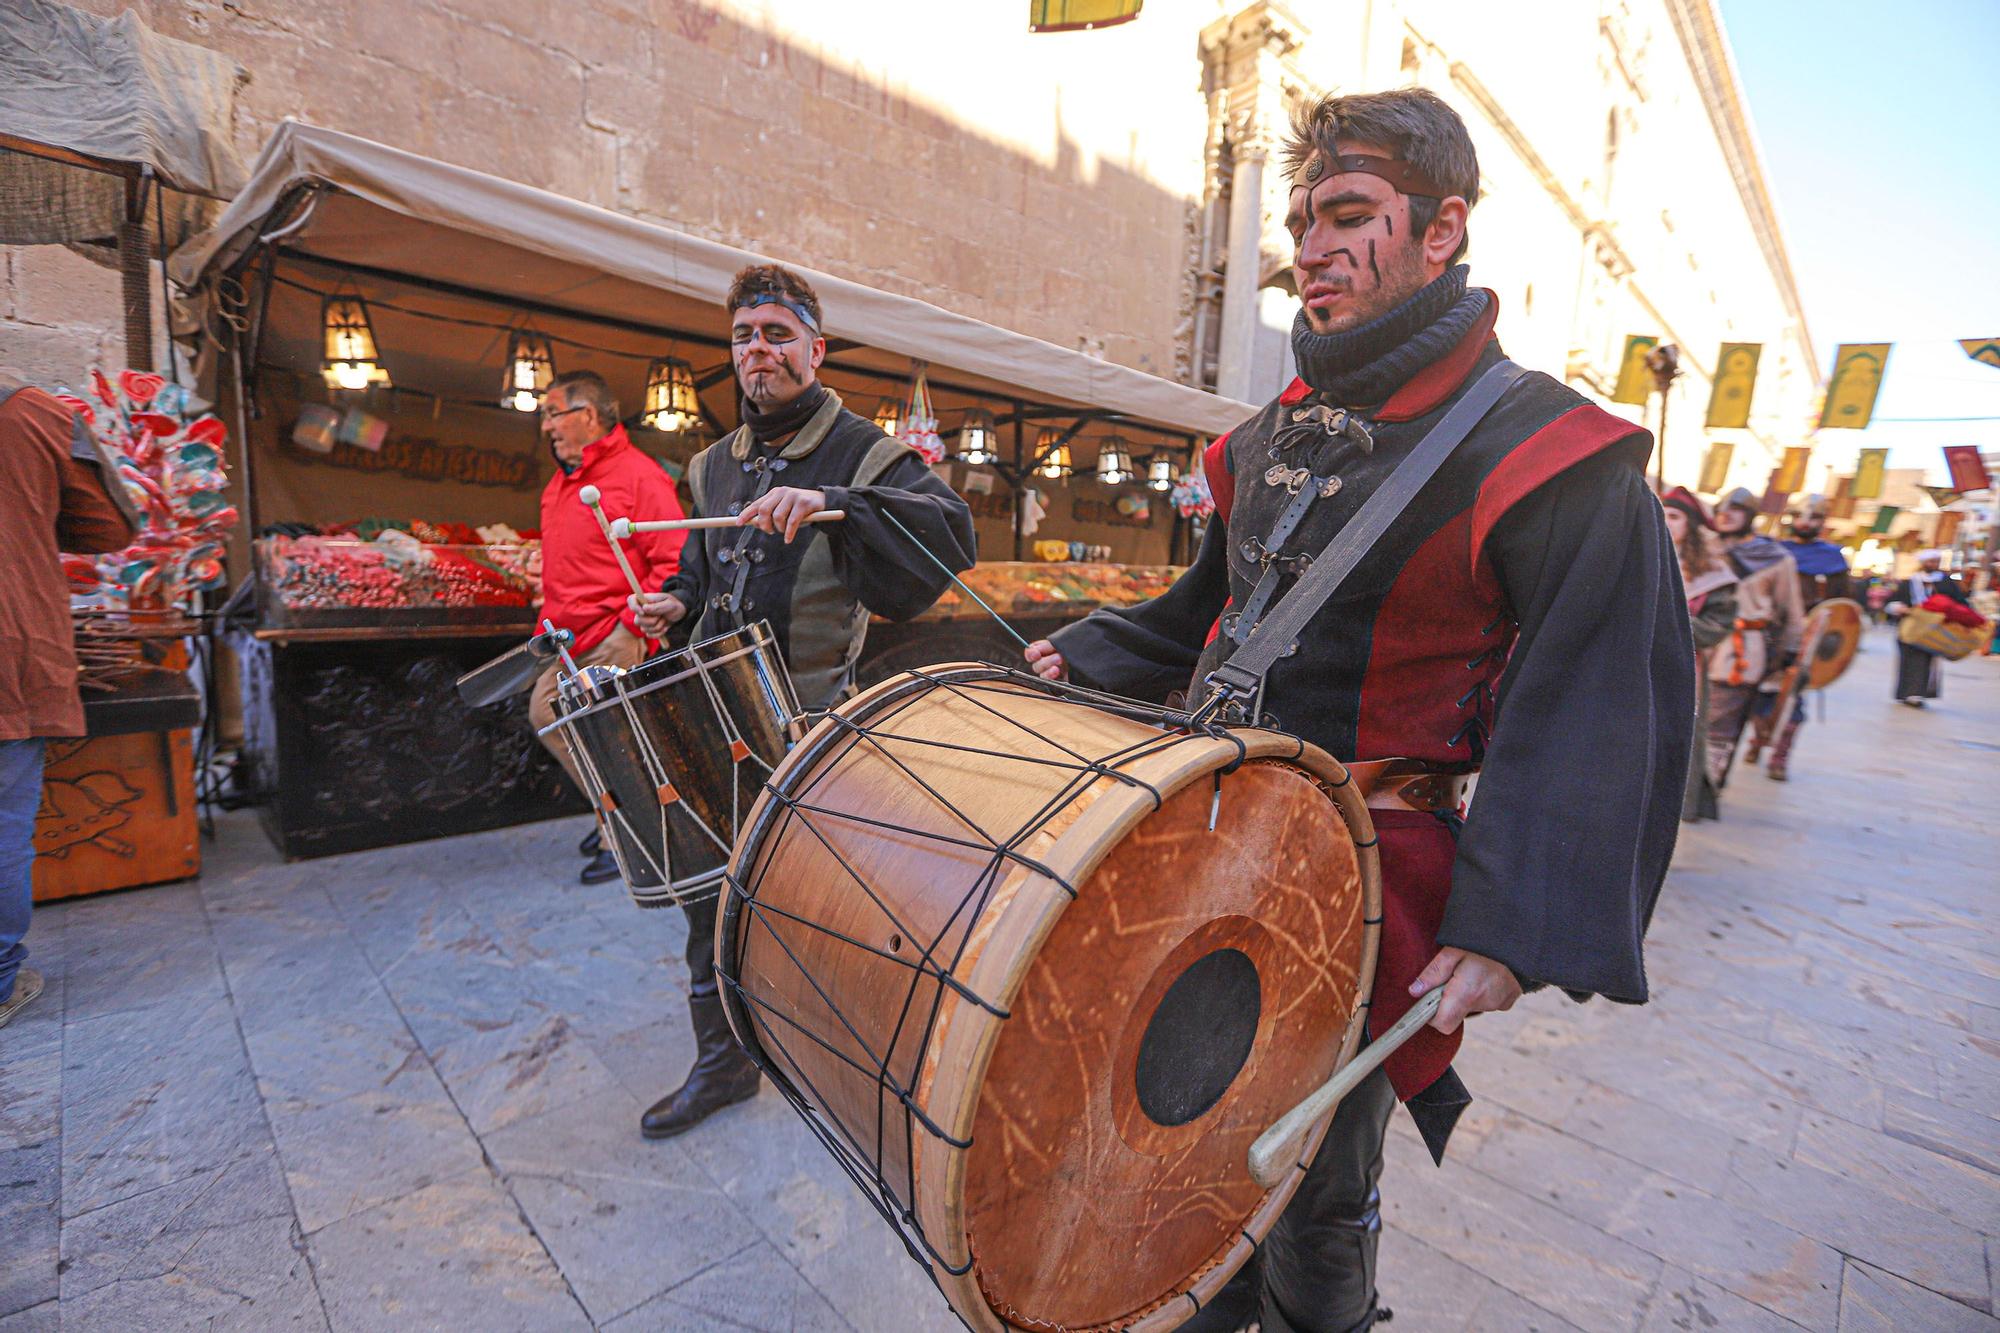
1038, 967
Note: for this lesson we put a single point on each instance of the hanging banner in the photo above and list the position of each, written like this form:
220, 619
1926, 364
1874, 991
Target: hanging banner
1791, 473
1080, 15
1986, 350
1775, 493
1947, 527
1715, 467
1968, 469
1841, 503
1635, 381
1868, 473
1850, 394
1885, 517
1735, 381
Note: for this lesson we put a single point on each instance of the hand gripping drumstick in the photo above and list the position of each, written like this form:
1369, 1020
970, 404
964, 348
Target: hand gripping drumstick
594, 500
625, 527
1276, 1150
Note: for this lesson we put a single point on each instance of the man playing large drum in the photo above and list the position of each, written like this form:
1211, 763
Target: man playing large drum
798, 452
1522, 618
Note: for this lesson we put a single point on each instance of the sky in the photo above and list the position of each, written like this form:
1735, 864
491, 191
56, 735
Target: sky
1877, 133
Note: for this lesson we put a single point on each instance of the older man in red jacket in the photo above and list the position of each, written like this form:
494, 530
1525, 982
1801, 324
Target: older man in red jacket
583, 589
53, 497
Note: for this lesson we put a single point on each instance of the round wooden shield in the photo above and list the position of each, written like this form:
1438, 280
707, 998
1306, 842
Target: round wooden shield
1833, 633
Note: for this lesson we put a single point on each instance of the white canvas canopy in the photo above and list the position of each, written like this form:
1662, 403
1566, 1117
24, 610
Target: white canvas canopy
397, 214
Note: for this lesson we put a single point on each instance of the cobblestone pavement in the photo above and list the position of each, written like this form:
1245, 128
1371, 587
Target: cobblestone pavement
400, 1090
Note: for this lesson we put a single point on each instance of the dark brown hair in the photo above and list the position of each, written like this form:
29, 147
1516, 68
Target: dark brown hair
774, 280
1413, 123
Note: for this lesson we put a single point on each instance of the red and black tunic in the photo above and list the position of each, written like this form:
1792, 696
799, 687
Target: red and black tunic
1524, 617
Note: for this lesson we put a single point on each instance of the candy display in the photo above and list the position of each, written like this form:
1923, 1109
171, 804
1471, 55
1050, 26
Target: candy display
1025, 589
396, 576
172, 466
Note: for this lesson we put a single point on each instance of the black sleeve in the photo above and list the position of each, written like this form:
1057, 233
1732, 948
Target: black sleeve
1149, 650
1579, 800
877, 561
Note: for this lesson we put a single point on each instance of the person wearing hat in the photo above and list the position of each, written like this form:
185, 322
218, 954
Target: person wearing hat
1709, 581
1770, 621
1920, 674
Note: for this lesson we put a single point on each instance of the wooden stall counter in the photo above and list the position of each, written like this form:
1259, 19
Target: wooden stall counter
118, 804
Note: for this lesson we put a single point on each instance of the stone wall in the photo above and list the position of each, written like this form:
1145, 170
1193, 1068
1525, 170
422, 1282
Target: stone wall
943, 153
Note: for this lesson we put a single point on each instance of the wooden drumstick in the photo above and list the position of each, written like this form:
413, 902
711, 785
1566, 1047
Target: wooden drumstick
594, 500
1277, 1149
625, 527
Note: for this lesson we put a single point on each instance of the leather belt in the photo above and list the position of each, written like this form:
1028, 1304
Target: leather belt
1409, 784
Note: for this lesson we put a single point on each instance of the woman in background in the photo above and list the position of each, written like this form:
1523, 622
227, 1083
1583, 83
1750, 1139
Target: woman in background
1710, 585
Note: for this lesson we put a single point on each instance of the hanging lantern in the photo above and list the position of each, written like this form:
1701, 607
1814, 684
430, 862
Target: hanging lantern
1160, 472
531, 365
1055, 464
1114, 461
349, 359
671, 401
978, 438
889, 417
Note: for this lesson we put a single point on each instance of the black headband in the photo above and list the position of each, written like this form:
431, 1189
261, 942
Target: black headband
1405, 177
779, 298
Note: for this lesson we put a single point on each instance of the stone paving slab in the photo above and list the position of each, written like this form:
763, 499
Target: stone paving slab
399, 1090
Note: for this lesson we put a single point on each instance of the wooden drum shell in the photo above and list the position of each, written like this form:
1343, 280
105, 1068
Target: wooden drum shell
947, 1040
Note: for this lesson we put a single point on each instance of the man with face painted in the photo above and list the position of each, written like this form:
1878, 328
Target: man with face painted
798, 451
1522, 617
1746, 670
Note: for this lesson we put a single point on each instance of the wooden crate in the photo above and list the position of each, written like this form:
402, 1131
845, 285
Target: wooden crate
116, 812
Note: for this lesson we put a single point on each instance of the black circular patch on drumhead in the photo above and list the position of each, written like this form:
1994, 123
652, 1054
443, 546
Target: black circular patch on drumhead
1199, 1037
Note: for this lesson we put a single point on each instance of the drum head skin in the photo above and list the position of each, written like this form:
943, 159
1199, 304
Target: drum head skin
987, 941
1197, 989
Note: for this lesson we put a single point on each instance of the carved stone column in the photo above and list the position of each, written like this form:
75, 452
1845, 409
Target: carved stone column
1250, 78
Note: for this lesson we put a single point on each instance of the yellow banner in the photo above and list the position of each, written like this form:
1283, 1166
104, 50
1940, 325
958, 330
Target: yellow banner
1735, 381
1074, 15
1982, 349
1791, 473
1868, 470
1634, 380
1850, 394
1715, 468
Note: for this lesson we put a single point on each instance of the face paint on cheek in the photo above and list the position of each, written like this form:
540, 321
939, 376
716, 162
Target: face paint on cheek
1372, 266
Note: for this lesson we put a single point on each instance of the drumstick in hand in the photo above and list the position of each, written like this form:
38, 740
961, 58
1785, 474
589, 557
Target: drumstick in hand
1277, 1149
594, 500
625, 527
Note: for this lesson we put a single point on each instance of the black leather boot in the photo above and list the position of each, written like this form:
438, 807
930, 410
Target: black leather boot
592, 844
599, 869
722, 1075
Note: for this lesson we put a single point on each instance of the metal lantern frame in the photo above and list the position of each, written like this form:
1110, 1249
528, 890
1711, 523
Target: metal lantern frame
530, 369
1114, 460
672, 401
1052, 447
350, 357
978, 438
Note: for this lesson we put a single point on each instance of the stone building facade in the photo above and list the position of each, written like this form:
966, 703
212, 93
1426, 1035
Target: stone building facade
1113, 191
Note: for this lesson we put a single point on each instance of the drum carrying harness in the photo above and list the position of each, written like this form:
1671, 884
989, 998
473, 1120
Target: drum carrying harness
1236, 686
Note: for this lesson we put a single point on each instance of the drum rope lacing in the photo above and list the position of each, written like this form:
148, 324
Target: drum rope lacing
837, 1137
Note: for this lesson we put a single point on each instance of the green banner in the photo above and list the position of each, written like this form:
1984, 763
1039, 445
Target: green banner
1885, 516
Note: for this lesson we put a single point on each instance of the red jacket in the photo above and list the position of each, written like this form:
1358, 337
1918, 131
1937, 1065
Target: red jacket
583, 590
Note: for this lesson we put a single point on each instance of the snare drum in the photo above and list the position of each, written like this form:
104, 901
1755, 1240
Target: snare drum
674, 751
1038, 966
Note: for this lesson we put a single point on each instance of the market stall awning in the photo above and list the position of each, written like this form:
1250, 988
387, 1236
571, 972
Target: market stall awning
85, 100
402, 215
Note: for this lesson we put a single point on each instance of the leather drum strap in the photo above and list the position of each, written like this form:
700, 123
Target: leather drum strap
1242, 676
